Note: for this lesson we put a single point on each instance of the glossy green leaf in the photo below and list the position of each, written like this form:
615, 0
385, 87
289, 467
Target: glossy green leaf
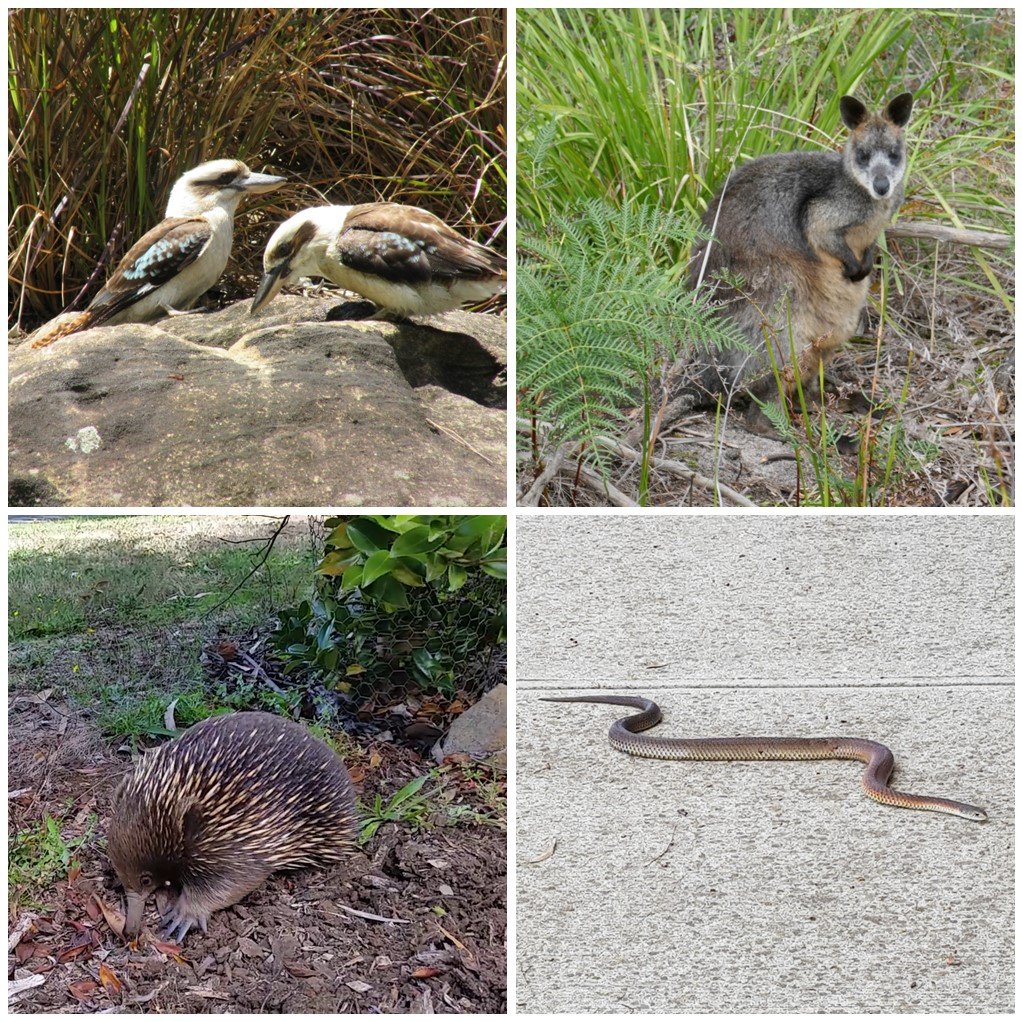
376, 564
388, 591
456, 577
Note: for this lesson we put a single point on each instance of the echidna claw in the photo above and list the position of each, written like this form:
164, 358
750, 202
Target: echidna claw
174, 929
175, 925
179, 919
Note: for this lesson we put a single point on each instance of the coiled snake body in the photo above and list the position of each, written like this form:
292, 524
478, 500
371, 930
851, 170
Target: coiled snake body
879, 760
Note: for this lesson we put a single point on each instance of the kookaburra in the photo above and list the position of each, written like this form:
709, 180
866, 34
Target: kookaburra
172, 266
403, 259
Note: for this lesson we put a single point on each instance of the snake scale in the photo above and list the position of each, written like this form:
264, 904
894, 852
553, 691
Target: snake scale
879, 760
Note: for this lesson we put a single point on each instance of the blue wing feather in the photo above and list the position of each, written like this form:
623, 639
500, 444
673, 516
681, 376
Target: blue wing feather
158, 256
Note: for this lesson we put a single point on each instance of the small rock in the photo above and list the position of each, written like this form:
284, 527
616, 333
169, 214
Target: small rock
481, 731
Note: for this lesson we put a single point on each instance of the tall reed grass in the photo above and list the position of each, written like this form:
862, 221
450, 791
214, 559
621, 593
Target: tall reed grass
657, 105
107, 108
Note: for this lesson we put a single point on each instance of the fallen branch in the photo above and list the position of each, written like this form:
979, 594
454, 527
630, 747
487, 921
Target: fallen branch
596, 482
553, 466
952, 235
682, 471
23, 926
592, 479
17, 986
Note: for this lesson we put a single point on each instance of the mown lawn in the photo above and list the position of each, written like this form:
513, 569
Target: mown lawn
115, 612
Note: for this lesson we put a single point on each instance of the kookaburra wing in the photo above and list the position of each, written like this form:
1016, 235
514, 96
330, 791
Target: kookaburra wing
404, 259
174, 264
156, 258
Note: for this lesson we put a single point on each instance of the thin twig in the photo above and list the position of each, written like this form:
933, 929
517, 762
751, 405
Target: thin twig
256, 567
458, 440
670, 845
260, 673
369, 915
553, 466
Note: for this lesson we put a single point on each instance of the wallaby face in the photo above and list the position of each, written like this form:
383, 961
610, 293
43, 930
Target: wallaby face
874, 155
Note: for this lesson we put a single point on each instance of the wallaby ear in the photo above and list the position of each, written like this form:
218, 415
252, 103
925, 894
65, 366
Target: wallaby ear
853, 113
899, 109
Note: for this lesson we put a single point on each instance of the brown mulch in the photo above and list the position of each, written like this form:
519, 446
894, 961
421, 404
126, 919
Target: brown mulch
292, 946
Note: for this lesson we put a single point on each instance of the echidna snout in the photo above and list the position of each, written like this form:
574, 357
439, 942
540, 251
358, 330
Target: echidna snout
211, 815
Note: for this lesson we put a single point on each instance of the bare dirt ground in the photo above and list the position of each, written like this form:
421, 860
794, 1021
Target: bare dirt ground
294, 945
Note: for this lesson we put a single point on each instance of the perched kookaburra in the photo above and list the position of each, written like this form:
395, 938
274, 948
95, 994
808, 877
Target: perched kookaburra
172, 266
405, 260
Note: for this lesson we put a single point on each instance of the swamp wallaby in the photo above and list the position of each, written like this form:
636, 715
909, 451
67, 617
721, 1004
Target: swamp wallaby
799, 230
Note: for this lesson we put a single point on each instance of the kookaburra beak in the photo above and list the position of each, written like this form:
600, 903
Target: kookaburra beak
271, 283
259, 183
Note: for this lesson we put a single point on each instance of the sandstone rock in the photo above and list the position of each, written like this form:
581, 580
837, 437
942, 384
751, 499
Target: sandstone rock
480, 732
287, 409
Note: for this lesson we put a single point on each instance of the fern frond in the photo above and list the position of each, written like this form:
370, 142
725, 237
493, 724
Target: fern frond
599, 302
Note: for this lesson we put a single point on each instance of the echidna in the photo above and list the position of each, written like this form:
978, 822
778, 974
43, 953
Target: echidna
211, 815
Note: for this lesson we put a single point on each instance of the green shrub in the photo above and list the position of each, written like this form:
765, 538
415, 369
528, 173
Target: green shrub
403, 602
37, 858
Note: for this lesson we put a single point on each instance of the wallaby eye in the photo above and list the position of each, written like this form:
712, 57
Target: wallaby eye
894, 155
862, 157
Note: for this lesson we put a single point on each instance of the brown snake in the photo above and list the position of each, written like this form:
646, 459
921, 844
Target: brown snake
878, 758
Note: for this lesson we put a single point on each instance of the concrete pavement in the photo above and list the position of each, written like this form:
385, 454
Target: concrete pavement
765, 887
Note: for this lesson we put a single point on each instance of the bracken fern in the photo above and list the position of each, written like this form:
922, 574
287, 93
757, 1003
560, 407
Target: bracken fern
600, 310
